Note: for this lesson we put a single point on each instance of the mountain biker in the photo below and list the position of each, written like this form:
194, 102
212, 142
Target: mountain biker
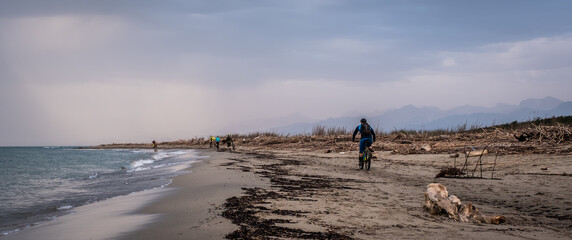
367, 136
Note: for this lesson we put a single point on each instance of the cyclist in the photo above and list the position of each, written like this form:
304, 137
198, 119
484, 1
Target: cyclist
367, 137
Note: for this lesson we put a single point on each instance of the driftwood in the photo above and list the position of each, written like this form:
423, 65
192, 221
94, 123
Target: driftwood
449, 172
551, 134
438, 201
523, 136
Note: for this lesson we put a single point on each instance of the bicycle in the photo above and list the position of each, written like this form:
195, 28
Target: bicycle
366, 159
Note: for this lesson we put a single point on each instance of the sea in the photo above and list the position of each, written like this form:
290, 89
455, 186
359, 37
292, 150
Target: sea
39, 184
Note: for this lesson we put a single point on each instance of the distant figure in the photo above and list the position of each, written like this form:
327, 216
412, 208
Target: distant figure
217, 142
211, 139
229, 142
154, 145
367, 137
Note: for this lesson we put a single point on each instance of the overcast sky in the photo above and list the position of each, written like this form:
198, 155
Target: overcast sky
78, 72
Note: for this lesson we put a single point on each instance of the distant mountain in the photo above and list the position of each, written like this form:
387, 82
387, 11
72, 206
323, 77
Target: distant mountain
564, 109
431, 118
546, 103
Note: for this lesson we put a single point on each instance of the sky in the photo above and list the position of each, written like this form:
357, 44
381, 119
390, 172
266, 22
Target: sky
76, 72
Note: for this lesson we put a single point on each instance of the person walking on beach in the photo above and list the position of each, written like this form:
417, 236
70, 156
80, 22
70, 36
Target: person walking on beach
229, 142
211, 139
367, 136
217, 142
154, 145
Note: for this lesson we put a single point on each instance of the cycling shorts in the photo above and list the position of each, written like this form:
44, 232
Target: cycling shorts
363, 143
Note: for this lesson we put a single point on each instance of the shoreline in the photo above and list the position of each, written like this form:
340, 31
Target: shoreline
293, 194
316, 194
105, 219
194, 208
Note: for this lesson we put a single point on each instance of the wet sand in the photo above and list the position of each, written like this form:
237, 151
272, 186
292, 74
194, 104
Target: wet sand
166, 213
194, 210
101, 220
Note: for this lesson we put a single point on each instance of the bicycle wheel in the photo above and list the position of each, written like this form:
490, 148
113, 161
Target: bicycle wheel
367, 160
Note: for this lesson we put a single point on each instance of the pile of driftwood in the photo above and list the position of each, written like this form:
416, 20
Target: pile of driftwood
438, 201
500, 140
551, 134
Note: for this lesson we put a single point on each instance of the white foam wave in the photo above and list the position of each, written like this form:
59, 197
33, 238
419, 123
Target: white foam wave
142, 165
64, 207
94, 176
163, 155
139, 163
10, 232
141, 169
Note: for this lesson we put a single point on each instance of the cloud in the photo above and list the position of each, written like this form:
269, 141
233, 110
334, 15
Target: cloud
113, 112
66, 48
136, 70
314, 98
449, 62
535, 54
500, 72
98, 112
66, 33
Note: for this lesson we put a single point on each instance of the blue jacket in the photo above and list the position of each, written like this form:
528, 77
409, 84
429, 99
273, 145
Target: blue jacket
358, 129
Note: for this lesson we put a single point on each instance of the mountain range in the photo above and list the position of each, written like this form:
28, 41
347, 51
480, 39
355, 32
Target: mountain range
425, 118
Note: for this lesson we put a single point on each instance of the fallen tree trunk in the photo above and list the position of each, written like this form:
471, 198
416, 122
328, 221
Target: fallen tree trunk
438, 201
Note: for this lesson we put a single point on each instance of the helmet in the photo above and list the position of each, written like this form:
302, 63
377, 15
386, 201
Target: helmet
363, 120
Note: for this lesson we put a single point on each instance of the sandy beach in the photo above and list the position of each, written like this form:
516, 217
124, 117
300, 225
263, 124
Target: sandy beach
194, 210
325, 196
316, 194
311, 188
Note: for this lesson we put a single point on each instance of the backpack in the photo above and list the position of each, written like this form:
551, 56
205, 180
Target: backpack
365, 130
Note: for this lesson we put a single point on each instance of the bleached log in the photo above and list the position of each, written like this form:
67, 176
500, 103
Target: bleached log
438, 201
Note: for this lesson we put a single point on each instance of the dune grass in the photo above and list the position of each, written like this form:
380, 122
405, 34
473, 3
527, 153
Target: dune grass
321, 130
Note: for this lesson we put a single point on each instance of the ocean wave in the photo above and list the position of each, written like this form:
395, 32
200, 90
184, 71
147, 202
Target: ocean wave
138, 165
145, 164
162, 155
81, 177
93, 176
5, 233
64, 207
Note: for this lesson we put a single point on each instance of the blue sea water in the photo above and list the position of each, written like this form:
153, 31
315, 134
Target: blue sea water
38, 184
